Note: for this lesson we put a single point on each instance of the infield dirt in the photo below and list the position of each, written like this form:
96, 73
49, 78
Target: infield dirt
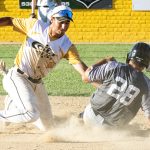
70, 133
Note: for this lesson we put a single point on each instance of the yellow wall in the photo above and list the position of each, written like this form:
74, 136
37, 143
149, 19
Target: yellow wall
119, 24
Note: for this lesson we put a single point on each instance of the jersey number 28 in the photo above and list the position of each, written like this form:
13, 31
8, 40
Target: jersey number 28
122, 91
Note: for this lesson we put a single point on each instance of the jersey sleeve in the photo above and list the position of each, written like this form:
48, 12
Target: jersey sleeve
102, 72
23, 25
72, 55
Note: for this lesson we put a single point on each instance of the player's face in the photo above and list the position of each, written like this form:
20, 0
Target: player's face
60, 27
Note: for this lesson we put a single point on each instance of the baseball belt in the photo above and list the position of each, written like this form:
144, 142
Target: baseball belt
28, 77
44, 6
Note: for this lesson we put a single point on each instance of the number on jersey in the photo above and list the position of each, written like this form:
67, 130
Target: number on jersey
125, 93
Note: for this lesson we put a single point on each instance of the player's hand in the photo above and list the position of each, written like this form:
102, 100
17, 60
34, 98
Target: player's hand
33, 15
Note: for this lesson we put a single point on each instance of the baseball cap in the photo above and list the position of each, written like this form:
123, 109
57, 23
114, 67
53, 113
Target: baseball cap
61, 13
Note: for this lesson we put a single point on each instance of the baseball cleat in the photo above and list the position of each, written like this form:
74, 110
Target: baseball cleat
3, 70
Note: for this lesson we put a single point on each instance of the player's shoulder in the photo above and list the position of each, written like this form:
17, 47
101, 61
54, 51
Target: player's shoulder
64, 43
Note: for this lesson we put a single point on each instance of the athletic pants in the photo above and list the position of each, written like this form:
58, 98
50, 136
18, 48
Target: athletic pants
26, 101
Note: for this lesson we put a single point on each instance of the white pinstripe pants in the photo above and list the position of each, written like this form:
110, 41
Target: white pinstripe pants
27, 101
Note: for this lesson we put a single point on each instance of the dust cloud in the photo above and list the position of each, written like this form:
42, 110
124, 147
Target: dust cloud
73, 130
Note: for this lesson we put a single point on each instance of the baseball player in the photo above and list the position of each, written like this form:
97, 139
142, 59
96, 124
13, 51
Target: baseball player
45, 45
44, 6
123, 89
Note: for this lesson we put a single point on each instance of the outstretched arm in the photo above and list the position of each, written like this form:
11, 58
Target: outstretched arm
85, 75
86, 79
84, 70
80, 67
6, 21
73, 57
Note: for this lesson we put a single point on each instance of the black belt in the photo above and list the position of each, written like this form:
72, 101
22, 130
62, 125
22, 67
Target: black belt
44, 6
28, 77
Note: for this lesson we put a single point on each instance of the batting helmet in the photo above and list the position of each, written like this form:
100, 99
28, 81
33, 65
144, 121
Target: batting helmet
140, 53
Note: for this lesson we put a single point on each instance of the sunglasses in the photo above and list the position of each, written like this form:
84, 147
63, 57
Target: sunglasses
65, 13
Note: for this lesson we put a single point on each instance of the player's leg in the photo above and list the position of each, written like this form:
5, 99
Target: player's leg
8, 103
43, 11
90, 118
22, 105
46, 119
42, 14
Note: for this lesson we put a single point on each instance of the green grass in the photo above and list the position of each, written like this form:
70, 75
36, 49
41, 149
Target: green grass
64, 80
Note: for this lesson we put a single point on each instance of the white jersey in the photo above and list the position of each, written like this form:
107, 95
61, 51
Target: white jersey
28, 100
39, 55
45, 3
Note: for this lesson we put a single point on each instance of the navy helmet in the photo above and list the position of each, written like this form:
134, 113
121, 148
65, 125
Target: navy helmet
140, 53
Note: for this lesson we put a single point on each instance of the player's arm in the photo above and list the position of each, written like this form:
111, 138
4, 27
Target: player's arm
104, 61
77, 63
85, 77
21, 25
73, 57
6, 21
83, 69
33, 6
97, 72
80, 67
